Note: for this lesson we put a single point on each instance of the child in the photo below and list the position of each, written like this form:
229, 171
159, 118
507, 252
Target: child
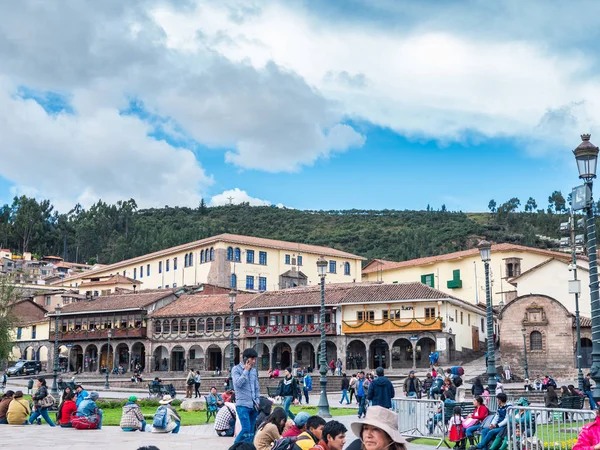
456, 432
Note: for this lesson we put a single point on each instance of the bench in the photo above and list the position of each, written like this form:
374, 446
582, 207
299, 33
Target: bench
272, 391
62, 385
572, 402
466, 409
158, 390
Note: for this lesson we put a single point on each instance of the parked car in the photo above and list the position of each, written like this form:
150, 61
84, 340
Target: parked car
25, 368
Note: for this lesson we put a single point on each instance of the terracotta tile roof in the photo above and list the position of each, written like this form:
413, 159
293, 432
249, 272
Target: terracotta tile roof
109, 281
229, 238
584, 322
378, 263
202, 304
116, 302
464, 254
27, 311
543, 263
346, 293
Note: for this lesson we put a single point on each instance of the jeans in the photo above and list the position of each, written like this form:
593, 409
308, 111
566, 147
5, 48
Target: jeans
345, 396
591, 399
471, 430
176, 429
66, 425
351, 392
411, 408
197, 389
305, 390
287, 401
487, 435
3, 422
247, 418
135, 429
362, 409
41, 412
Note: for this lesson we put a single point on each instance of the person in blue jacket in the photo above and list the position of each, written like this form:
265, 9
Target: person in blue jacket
381, 391
82, 394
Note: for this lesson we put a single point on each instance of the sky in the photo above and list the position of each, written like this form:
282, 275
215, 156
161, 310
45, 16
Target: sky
341, 104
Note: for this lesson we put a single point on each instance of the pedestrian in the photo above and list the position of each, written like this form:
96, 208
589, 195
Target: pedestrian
132, 418
499, 386
507, 373
377, 431
352, 386
332, 366
288, 390
333, 436
306, 386
197, 383
477, 388
412, 386
42, 401
362, 388
247, 394
338, 366
381, 391
587, 390
473, 421
589, 437
189, 383
4, 380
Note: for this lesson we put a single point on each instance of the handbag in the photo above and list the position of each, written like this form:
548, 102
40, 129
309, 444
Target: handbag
46, 402
470, 422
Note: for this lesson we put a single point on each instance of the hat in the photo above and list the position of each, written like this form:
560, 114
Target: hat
166, 400
133, 398
379, 371
301, 419
94, 396
412, 371
289, 369
522, 402
382, 418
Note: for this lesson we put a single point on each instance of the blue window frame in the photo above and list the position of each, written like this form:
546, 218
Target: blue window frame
249, 282
233, 281
212, 254
148, 270
33, 331
124, 272
135, 273
262, 258
20, 331
250, 256
229, 253
167, 266
141, 271
346, 268
174, 263
299, 260
237, 254
288, 259
332, 266
191, 259
160, 267
201, 256
185, 260
262, 283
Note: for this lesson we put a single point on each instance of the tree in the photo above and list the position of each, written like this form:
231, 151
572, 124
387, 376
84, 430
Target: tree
556, 203
444, 208
8, 294
531, 205
510, 206
492, 205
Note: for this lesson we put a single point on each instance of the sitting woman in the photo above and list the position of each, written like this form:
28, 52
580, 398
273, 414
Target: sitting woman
4, 402
378, 430
88, 408
473, 421
65, 410
214, 400
270, 430
18, 410
132, 418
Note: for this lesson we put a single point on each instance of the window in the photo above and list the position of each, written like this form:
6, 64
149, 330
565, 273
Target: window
148, 270
385, 314
160, 267
456, 315
191, 259
430, 313
262, 283
332, 266
482, 325
166, 327
157, 327
535, 341
262, 258
346, 268
461, 318
19, 332
167, 265
166, 286
299, 260
233, 281
365, 315
210, 325
218, 324
124, 272
186, 260
229, 253
455, 282
174, 285
33, 332
200, 326
237, 255
469, 319
428, 280
141, 271
250, 256
192, 326
212, 254
174, 263
249, 282
201, 256
287, 259
183, 327
135, 273
48, 300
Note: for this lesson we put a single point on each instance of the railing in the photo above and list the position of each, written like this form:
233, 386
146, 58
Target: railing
391, 325
420, 419
191, 334
310, 328
78, 335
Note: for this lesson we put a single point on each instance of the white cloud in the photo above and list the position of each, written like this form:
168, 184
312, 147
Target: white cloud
236, 196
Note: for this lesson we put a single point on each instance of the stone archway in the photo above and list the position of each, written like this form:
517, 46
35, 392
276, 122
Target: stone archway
214, 357
196, 358
330, 353
402, 353
425, 345
90, 358
356, 355
29, 353
138, 355
262, 362
42, 356
379, 352
304, 355
76, 359
586, 352
15, 353
227, 354
282, 356
122, 356
161, 358
178, 359
106, 358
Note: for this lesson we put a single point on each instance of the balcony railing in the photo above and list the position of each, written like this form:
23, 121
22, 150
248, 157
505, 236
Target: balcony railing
273, 330
391, 325
80, 335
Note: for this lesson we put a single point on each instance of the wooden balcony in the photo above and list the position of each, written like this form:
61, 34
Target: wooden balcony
391, 325
289, 330
82, 335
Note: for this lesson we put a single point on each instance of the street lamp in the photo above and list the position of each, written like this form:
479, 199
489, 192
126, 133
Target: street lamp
586, 155
323, 402
525, 366
54, 390
485, 249
232, 296
106, 385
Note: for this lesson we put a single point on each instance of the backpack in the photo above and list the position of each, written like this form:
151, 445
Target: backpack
457, 381
436, 357
287, 443
308, 382
160, 418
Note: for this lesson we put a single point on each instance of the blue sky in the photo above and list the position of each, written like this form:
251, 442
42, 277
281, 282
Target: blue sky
353, 105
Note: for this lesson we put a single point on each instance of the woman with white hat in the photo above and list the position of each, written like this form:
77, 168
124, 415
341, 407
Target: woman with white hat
378, 430
166, 419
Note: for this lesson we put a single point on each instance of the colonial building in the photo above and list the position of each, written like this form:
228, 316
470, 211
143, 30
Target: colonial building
92, 286
30, 337
230, 260
544, 328
195, 332
461, 274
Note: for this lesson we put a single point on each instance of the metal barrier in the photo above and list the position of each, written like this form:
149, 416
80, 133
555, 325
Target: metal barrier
420, 418
533, 428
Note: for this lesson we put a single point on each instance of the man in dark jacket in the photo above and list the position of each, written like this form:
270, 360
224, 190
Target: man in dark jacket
412, 386
288, 389
381, 390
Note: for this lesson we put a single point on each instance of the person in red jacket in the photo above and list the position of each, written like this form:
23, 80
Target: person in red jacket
589, 438
480, 413
66, 408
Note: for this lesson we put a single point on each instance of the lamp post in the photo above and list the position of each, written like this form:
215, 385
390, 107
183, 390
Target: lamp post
54, 390
232, 296
323, 402
485, 249
525, 366
575, 287
106, 385
586, 155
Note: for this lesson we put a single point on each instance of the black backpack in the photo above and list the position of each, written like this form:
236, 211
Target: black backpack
287, 443
458, 381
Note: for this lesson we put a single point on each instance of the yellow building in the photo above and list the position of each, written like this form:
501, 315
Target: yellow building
230, 260
30, 336
461, 274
